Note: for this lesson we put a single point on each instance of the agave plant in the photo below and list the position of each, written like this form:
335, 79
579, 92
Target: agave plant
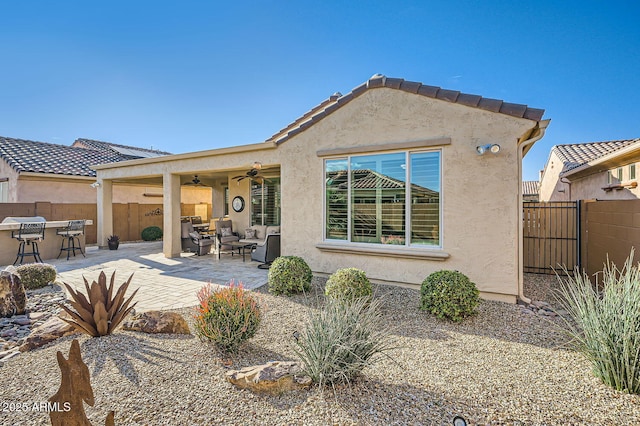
100, 314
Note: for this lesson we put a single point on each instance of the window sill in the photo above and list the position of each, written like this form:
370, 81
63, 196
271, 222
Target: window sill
405, 252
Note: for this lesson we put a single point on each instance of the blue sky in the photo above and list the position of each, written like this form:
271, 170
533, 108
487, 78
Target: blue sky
192, 75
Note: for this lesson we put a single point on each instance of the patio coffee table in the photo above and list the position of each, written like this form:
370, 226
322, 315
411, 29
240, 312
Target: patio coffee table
240, 246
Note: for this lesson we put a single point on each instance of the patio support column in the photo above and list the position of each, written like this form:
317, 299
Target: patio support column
171, 245
105, 211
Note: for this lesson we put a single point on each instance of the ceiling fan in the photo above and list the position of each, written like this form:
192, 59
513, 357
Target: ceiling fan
252, 173
195, 182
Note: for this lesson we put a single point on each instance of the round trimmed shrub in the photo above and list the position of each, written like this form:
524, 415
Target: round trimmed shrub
151, 233
227, 316
348, 284
36, 275
449, 294
289, 275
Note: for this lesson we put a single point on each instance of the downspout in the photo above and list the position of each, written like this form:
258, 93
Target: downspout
536, 134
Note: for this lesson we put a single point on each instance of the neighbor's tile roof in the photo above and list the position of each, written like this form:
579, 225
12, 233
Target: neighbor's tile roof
114, 147
41, 157
577, 154
338, 100
530, 187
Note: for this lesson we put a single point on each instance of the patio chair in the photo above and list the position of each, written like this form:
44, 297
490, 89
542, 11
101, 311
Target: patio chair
225, 234
268, 251
193, 241
29, 234
70, 234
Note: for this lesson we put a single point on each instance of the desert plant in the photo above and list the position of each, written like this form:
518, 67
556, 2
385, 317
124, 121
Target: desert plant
100, 314
289, 275
227, 316
348, 284
449, 294
113, 239
36, 275
151, 233
605, 323
341, 339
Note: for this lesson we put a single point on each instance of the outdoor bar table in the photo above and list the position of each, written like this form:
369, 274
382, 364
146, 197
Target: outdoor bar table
49, 247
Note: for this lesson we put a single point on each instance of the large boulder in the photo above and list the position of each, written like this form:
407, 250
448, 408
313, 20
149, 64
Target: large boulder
48, 331
157, 322
274, 377
13, 298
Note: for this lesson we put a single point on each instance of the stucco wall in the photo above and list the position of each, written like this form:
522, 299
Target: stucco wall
590, 187
551, 187
479, 193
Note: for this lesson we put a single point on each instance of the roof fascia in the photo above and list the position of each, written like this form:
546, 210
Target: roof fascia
188, 155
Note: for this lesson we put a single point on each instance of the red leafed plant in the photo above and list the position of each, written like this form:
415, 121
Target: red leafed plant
227, 316
100, 314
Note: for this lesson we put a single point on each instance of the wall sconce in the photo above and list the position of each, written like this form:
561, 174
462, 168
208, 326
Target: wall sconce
95, 185
256, 165
492, 148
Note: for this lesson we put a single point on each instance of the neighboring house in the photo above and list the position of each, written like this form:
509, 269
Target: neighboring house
335, 180
33, 171
596, 170
530, 190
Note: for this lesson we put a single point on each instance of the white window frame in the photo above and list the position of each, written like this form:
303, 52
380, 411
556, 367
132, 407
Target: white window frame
408, 154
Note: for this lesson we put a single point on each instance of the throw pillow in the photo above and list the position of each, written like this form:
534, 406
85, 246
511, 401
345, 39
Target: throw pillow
250, 233
226, 232
194, 235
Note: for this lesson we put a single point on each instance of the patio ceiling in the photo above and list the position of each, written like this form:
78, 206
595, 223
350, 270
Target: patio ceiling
205, 176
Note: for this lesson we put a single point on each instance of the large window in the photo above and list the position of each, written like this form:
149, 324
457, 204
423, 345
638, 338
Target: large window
367, 199
265, 201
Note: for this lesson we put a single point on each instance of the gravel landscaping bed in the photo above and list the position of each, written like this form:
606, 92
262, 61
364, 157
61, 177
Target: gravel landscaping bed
502, 366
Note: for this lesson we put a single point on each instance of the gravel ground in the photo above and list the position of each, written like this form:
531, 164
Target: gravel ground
502, 366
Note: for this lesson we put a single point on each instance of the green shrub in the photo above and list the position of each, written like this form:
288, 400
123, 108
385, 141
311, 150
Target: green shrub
289, 275
341, 339
449, 294
36, 275
227, 316
348, 284
151, 233
606, 322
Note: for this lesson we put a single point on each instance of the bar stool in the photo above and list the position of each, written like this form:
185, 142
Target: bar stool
29, 234
71, 234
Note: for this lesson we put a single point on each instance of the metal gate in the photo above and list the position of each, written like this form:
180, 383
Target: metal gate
551, 236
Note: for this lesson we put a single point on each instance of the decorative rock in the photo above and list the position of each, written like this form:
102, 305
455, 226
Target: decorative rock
273, 377
13, 298
9, 333
157, 322
21, 320
49, 331
35, 316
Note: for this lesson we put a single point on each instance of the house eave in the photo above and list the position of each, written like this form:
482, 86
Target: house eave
615, 159
188, 155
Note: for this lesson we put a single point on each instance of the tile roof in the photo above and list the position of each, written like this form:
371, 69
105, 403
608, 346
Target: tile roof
530, 187
41, 157
131, 151
577, 154
338, 100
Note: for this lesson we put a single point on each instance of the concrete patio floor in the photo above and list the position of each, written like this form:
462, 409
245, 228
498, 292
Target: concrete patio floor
163, 283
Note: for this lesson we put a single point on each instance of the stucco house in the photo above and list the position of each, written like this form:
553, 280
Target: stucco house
336, 180
32, 171
589, 171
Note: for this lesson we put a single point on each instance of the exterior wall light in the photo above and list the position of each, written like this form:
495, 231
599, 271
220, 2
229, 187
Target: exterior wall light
95, 184
492, 148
